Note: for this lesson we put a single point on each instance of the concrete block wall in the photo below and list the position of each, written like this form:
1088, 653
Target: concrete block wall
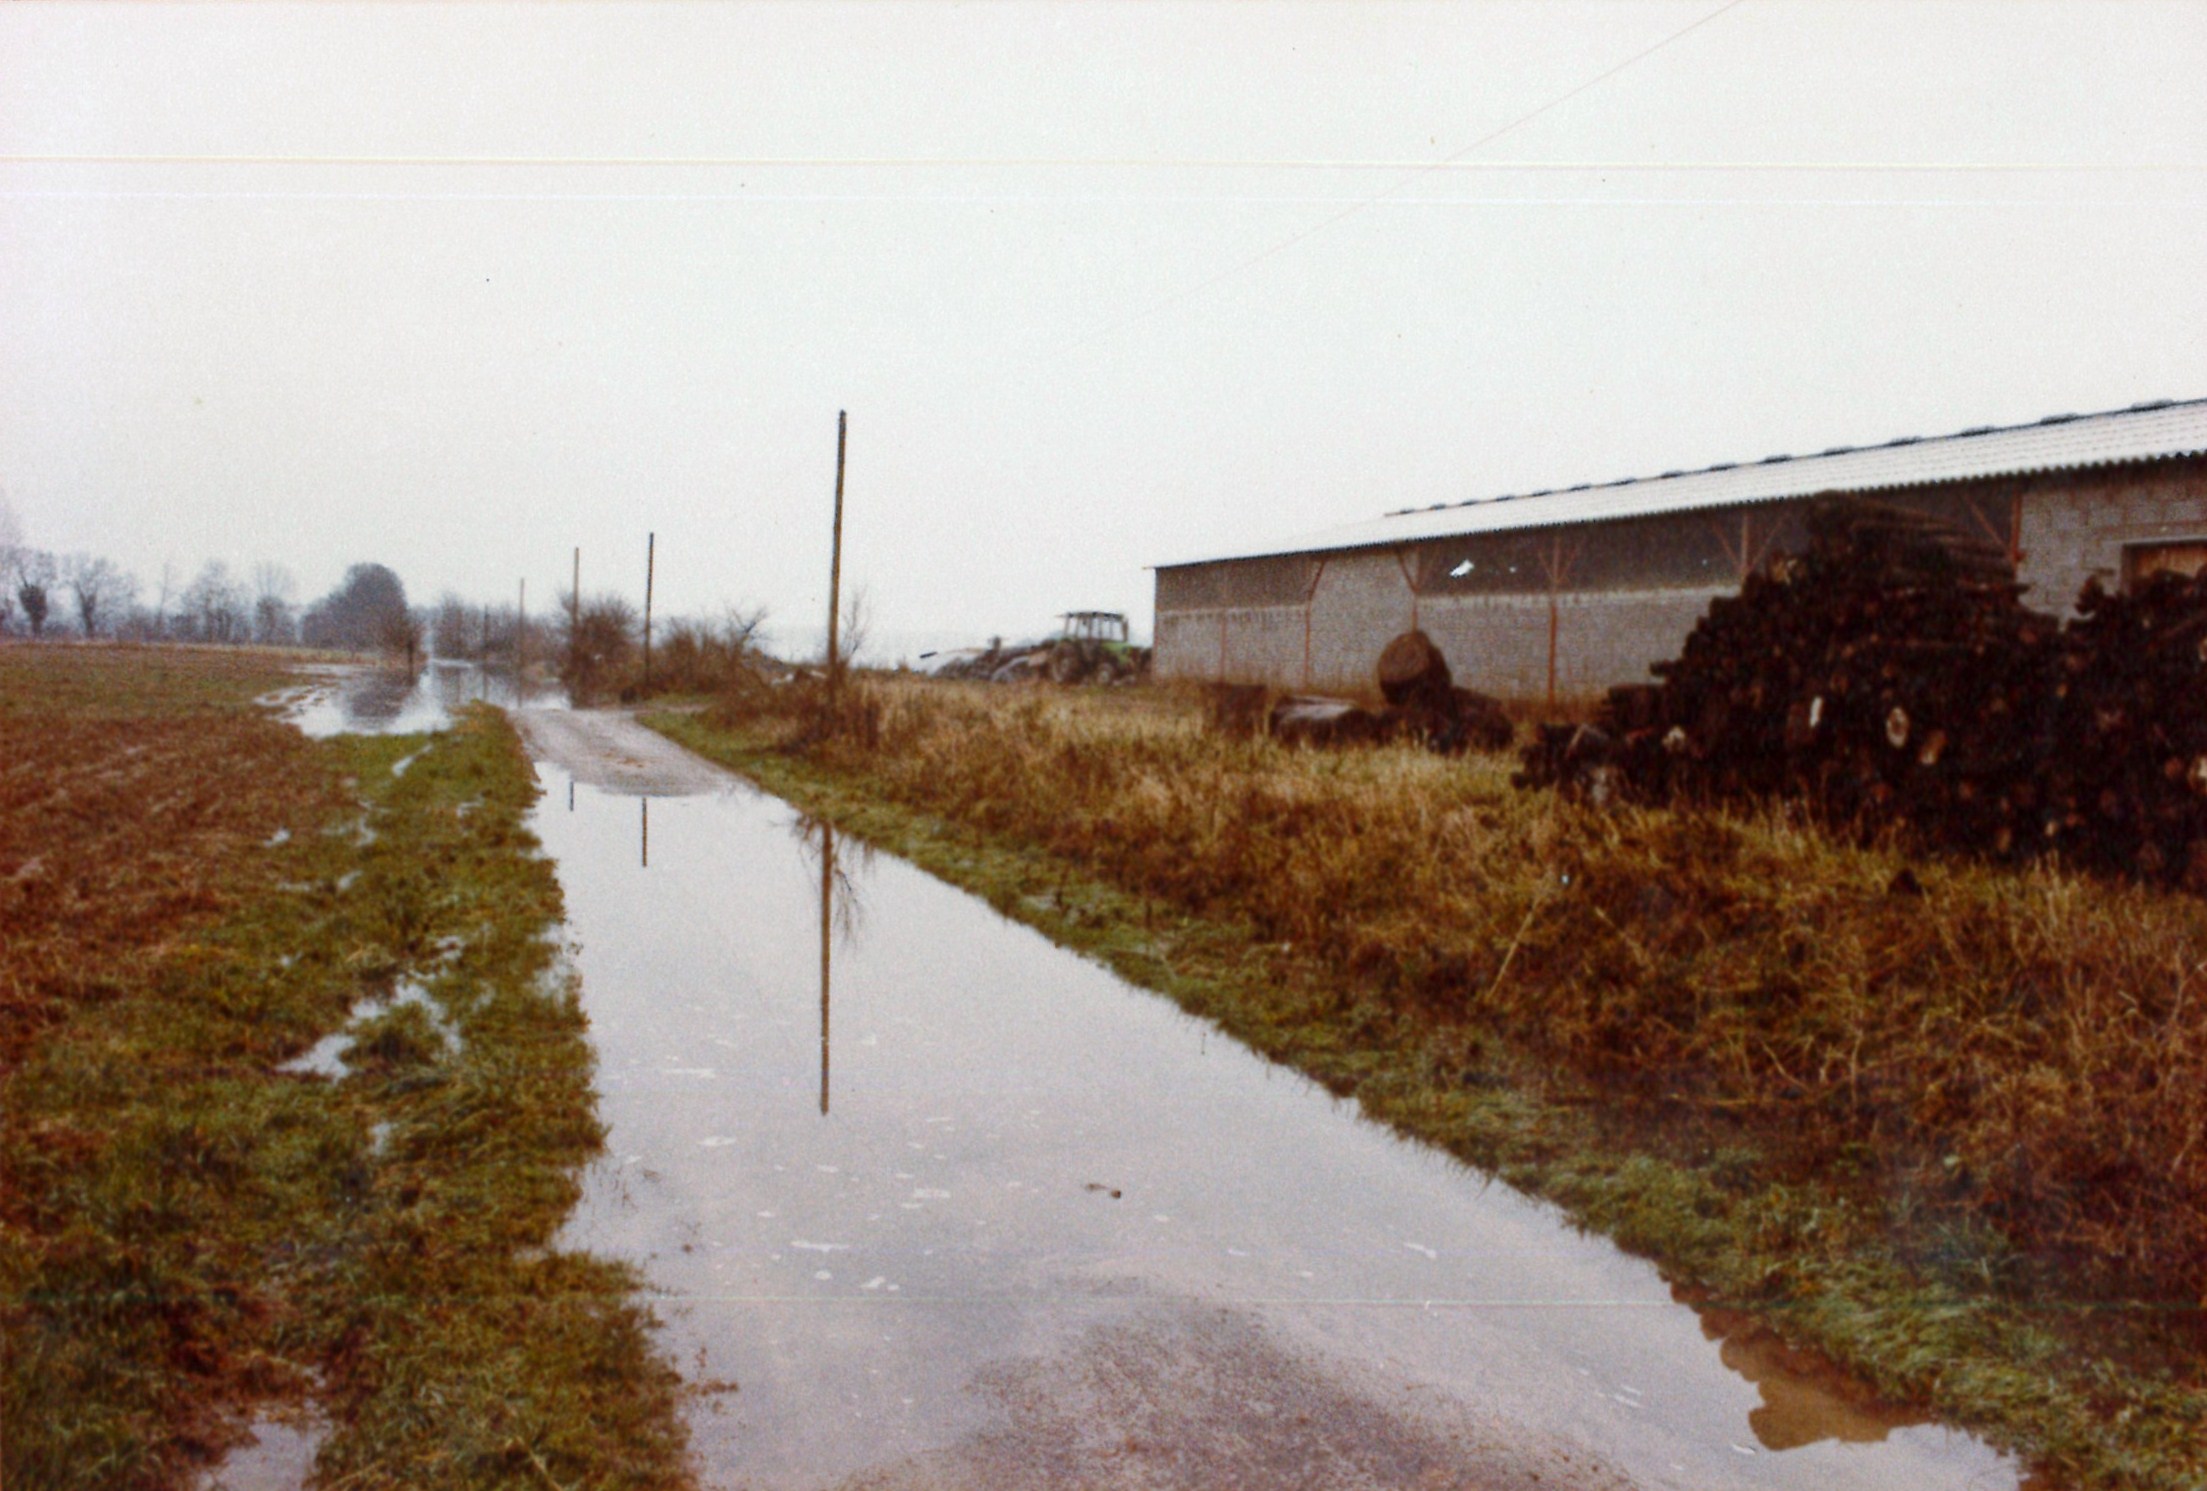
2074, 524
1361, 602
2077, 523
1253, 644
1497, 644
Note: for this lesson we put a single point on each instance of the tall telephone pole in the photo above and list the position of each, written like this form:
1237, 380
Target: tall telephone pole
835, 564
651, 545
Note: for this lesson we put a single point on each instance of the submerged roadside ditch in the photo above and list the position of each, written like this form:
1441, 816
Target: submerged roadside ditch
1915, 1303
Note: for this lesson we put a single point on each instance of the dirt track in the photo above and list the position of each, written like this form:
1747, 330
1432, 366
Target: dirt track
607, 749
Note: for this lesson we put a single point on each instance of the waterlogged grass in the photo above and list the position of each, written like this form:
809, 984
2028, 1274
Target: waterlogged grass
190, 897
1939, 1130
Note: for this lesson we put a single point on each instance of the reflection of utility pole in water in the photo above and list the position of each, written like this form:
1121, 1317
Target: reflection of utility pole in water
827, 937
645, 804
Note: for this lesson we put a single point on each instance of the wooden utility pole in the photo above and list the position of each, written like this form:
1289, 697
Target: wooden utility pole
835, 564
651, 545
574, 618
521, 643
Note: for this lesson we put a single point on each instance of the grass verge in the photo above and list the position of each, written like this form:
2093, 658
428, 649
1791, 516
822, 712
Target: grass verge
1911, 1125
193, 896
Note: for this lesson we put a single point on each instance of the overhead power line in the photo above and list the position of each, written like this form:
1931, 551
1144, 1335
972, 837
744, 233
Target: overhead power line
1303, 235
1108, 162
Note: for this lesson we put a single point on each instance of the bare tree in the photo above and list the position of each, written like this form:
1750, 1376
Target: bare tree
274, 619
101, 589
857, 626
213, 607
364, 612
132, 623
169, 579
596, 642
11, 547
456, 630
742, 632
401, 633
34, 580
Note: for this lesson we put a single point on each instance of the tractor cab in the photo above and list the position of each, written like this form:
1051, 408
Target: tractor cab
1093, 626
1092, 646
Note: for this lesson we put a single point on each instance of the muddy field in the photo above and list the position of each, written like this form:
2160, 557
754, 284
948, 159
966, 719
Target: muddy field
294, 1102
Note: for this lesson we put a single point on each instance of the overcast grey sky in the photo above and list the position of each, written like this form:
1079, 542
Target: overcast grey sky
457, 288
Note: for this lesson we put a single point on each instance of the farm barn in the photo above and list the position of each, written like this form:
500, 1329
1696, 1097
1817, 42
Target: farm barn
1570, 591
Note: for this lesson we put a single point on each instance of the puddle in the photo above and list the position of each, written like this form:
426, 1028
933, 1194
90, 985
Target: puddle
326, 1057
954, 1206
280, 1456
367, 699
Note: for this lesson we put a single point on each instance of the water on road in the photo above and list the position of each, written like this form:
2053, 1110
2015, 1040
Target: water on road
951, 1206
371, 699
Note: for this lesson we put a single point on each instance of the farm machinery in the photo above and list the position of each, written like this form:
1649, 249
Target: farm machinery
1090, 647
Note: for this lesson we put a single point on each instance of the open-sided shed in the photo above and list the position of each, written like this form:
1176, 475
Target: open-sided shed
1569, 591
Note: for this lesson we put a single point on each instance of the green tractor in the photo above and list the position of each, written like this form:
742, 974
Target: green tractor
1092, 647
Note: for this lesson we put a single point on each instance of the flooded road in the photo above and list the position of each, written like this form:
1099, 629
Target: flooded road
373, 699
950, 1206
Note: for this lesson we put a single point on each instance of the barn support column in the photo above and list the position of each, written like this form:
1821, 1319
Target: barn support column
2007, 533
1310, 605
1555, 625
1558, 562
1743, 557
1402, 562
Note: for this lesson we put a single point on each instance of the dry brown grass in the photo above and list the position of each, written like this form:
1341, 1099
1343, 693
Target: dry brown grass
2025, 1052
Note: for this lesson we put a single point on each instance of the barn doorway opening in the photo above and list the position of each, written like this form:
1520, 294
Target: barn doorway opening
2142, 562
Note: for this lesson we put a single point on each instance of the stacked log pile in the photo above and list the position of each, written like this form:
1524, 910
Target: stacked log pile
1891, 676
2126, 779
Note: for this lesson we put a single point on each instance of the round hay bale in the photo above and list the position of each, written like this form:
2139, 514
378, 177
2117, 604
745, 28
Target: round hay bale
1412, 671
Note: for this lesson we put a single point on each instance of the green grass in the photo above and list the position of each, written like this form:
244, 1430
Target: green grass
187, 1233
1624, 1043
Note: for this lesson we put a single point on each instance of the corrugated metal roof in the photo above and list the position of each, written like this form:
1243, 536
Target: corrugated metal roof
2057, 442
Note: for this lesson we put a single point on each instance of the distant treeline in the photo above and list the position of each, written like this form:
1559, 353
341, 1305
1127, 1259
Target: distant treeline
597, 648
46, 595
